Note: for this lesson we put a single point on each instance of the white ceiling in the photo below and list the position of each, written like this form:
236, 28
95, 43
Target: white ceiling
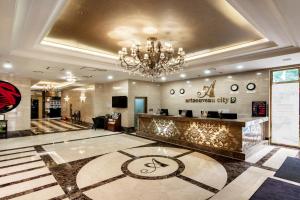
23, 24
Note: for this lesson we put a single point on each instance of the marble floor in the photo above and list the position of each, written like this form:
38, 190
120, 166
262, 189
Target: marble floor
89, 164
41, 126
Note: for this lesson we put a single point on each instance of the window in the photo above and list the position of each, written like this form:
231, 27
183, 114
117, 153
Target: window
286, 75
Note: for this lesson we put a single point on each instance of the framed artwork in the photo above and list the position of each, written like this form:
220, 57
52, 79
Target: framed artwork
10, 97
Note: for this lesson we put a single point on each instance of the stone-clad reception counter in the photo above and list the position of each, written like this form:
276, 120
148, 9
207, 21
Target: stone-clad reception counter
236, 138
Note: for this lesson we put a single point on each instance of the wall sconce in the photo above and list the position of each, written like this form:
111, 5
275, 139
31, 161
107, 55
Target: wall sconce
67, 98
82, 97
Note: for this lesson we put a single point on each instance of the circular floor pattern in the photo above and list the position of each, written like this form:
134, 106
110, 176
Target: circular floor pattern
151, 173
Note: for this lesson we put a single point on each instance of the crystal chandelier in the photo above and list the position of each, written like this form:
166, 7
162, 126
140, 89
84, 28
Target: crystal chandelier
152, 61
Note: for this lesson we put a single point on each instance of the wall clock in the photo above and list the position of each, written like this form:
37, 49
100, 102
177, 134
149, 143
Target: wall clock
182, 91
10, 97
251, 86
234, 87
172, 91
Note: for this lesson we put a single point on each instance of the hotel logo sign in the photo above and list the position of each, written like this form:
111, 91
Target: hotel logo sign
207, 95
208, 91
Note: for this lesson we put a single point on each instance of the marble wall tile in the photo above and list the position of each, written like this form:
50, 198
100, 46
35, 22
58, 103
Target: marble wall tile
86, 108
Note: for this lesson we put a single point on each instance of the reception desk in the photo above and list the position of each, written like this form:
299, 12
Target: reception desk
237, 138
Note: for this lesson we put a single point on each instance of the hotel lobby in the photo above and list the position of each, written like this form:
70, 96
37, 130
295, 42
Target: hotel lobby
149, 100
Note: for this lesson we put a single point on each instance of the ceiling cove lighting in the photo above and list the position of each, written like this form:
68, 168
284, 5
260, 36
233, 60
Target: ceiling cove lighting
94, 53
205, 53
152, 60
7, 65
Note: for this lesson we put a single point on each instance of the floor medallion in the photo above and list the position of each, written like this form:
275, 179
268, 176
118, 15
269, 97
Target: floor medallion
153, 167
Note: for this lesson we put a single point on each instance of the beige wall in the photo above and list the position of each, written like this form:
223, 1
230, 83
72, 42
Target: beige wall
19, 118
86, 108
143, 89
222, 89
104, 93
99, 101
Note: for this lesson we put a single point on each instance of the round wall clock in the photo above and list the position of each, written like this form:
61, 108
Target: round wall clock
251, 86
234, 87
182, 91
172, 91
10, 97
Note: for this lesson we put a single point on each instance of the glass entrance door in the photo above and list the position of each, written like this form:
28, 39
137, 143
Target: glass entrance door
285, 107
140, 106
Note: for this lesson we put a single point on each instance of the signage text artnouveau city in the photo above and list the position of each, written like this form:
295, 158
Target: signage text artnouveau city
209, 91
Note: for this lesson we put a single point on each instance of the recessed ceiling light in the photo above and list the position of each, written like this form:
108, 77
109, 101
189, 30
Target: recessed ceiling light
229, 76
110, 77
68, 72
133, 82
163, 78
7, 65
240, 67
207, 79
207, 71
182, 75
258, 73
188, 82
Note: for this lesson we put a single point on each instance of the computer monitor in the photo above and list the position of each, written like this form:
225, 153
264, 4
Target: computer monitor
186, 113
182, 112
164, 112
189, 113
213, 114
228, 115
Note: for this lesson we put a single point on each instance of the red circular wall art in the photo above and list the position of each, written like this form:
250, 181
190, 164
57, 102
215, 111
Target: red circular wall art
10, 97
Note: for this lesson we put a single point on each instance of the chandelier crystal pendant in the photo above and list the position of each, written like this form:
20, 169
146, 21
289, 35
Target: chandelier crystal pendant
154, 60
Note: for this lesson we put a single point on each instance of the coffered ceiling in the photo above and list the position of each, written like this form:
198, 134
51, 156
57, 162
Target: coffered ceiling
43, 39
109, 25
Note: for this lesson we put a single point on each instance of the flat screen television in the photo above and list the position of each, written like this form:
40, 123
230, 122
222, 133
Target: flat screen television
119, 101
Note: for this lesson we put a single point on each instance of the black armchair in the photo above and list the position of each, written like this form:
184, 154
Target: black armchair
99, 122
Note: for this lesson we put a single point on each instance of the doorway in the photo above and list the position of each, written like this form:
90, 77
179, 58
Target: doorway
285, 106
140, 106
34, 108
